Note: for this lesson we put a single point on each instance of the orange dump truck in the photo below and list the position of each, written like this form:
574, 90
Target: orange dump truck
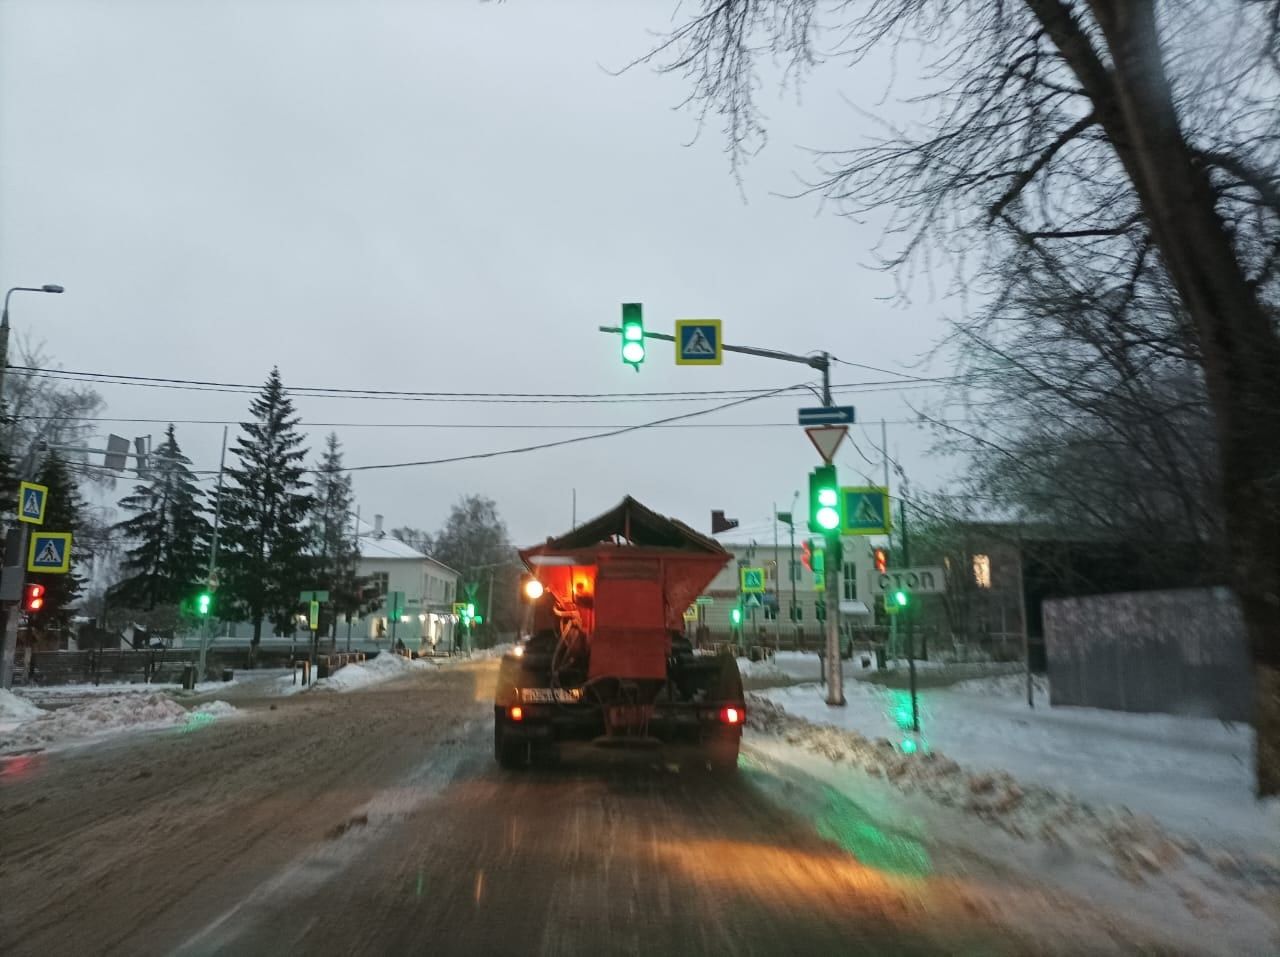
605, 661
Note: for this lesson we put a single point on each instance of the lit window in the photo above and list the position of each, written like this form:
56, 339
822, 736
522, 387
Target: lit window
982, 571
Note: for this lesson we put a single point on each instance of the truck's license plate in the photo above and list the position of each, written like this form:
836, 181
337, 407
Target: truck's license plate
629, 715
563, 695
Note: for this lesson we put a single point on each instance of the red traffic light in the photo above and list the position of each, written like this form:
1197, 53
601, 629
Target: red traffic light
33, 598
806, 555
882, 560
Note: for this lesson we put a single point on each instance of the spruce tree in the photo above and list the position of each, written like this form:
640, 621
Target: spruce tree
168, 535
332, 537
63, 512
265, 508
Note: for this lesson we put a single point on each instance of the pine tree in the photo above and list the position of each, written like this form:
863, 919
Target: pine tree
332, 539
169, 535
265, 507
62, 514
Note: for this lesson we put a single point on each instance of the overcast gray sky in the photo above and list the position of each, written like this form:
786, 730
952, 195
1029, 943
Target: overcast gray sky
435, 195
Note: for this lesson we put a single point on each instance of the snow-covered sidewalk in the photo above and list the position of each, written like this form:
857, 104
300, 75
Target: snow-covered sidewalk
1193, 775
1155, 812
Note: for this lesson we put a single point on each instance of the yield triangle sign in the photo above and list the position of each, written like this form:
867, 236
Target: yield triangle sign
826, 439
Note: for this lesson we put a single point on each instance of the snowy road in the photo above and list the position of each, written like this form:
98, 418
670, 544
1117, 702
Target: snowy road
376, 822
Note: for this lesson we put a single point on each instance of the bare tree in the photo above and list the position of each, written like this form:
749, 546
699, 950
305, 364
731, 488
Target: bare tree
1109, 131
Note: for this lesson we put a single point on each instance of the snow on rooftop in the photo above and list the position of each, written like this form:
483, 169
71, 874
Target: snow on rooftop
371, 546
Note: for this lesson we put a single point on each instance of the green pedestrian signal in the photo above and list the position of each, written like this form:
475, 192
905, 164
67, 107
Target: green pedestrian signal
204, 604
824, 500
900, 598
632, 334
735, 615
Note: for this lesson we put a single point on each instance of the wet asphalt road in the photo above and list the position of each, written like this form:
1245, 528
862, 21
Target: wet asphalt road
377, 823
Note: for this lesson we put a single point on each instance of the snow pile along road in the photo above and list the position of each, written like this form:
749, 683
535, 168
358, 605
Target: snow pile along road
384, 667
1134, 846
93, 718
15, 710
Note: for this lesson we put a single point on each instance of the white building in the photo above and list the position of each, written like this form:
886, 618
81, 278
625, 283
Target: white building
783, 610
429, 589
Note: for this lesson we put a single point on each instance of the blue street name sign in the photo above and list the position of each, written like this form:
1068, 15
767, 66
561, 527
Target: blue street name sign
827, 415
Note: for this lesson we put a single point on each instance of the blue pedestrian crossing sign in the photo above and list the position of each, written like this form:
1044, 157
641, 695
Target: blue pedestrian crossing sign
32, 499
866, 510
49, 552
698, 342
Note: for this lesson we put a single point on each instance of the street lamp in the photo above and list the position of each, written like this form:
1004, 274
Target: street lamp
4, 324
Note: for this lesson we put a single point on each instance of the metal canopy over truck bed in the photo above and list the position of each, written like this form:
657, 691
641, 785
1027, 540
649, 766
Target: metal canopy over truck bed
627, 578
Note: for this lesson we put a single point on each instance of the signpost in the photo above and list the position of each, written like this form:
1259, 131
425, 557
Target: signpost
752, 580
826, 439
921, 580
698, 342
866, 510
827, 415
32, 499
49, 553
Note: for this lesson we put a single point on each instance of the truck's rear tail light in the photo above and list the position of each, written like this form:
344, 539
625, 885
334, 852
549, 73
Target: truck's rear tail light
731, 715
516, 713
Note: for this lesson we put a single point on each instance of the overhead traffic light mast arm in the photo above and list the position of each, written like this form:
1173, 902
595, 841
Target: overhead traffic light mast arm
821, 361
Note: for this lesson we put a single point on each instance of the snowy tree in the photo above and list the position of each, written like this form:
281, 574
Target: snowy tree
265, 509
332, 536
168, 534
475, 543
63, 513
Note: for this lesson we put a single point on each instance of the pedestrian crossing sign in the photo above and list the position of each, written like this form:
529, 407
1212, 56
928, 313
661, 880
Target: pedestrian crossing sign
698, 342
32, 499
49, 552
866, 510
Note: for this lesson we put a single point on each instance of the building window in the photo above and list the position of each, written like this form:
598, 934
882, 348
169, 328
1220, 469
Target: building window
850, 575
795, 570
381, 581
770, 612
982, 571
797, 612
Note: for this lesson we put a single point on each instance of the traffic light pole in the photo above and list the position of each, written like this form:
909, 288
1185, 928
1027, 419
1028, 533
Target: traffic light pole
911, 634
821, 362
832, 571
206, 631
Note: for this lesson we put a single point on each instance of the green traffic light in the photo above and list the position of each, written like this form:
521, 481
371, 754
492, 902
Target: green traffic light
471, 611
204, 601
901, 598
824, 500
632, 334
736, 615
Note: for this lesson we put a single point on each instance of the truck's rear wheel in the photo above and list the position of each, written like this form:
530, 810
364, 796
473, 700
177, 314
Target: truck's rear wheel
722, 757
509, 751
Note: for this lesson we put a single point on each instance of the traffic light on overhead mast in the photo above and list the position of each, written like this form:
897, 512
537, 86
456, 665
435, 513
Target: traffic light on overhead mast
632, 334
32, 598
824, 500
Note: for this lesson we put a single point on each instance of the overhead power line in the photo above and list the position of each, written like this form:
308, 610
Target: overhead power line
239, 388
561, 442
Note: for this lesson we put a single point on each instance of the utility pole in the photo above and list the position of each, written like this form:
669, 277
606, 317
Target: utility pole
1026, 630
777, 584
207, 632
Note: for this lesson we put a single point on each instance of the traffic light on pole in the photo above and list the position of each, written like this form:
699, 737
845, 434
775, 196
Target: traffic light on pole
882, 560
806, 555
824, 500
204, 604
632, 334
735, 615
32, 598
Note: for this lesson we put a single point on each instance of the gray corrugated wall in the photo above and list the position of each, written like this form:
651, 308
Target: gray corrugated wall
1176, 652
